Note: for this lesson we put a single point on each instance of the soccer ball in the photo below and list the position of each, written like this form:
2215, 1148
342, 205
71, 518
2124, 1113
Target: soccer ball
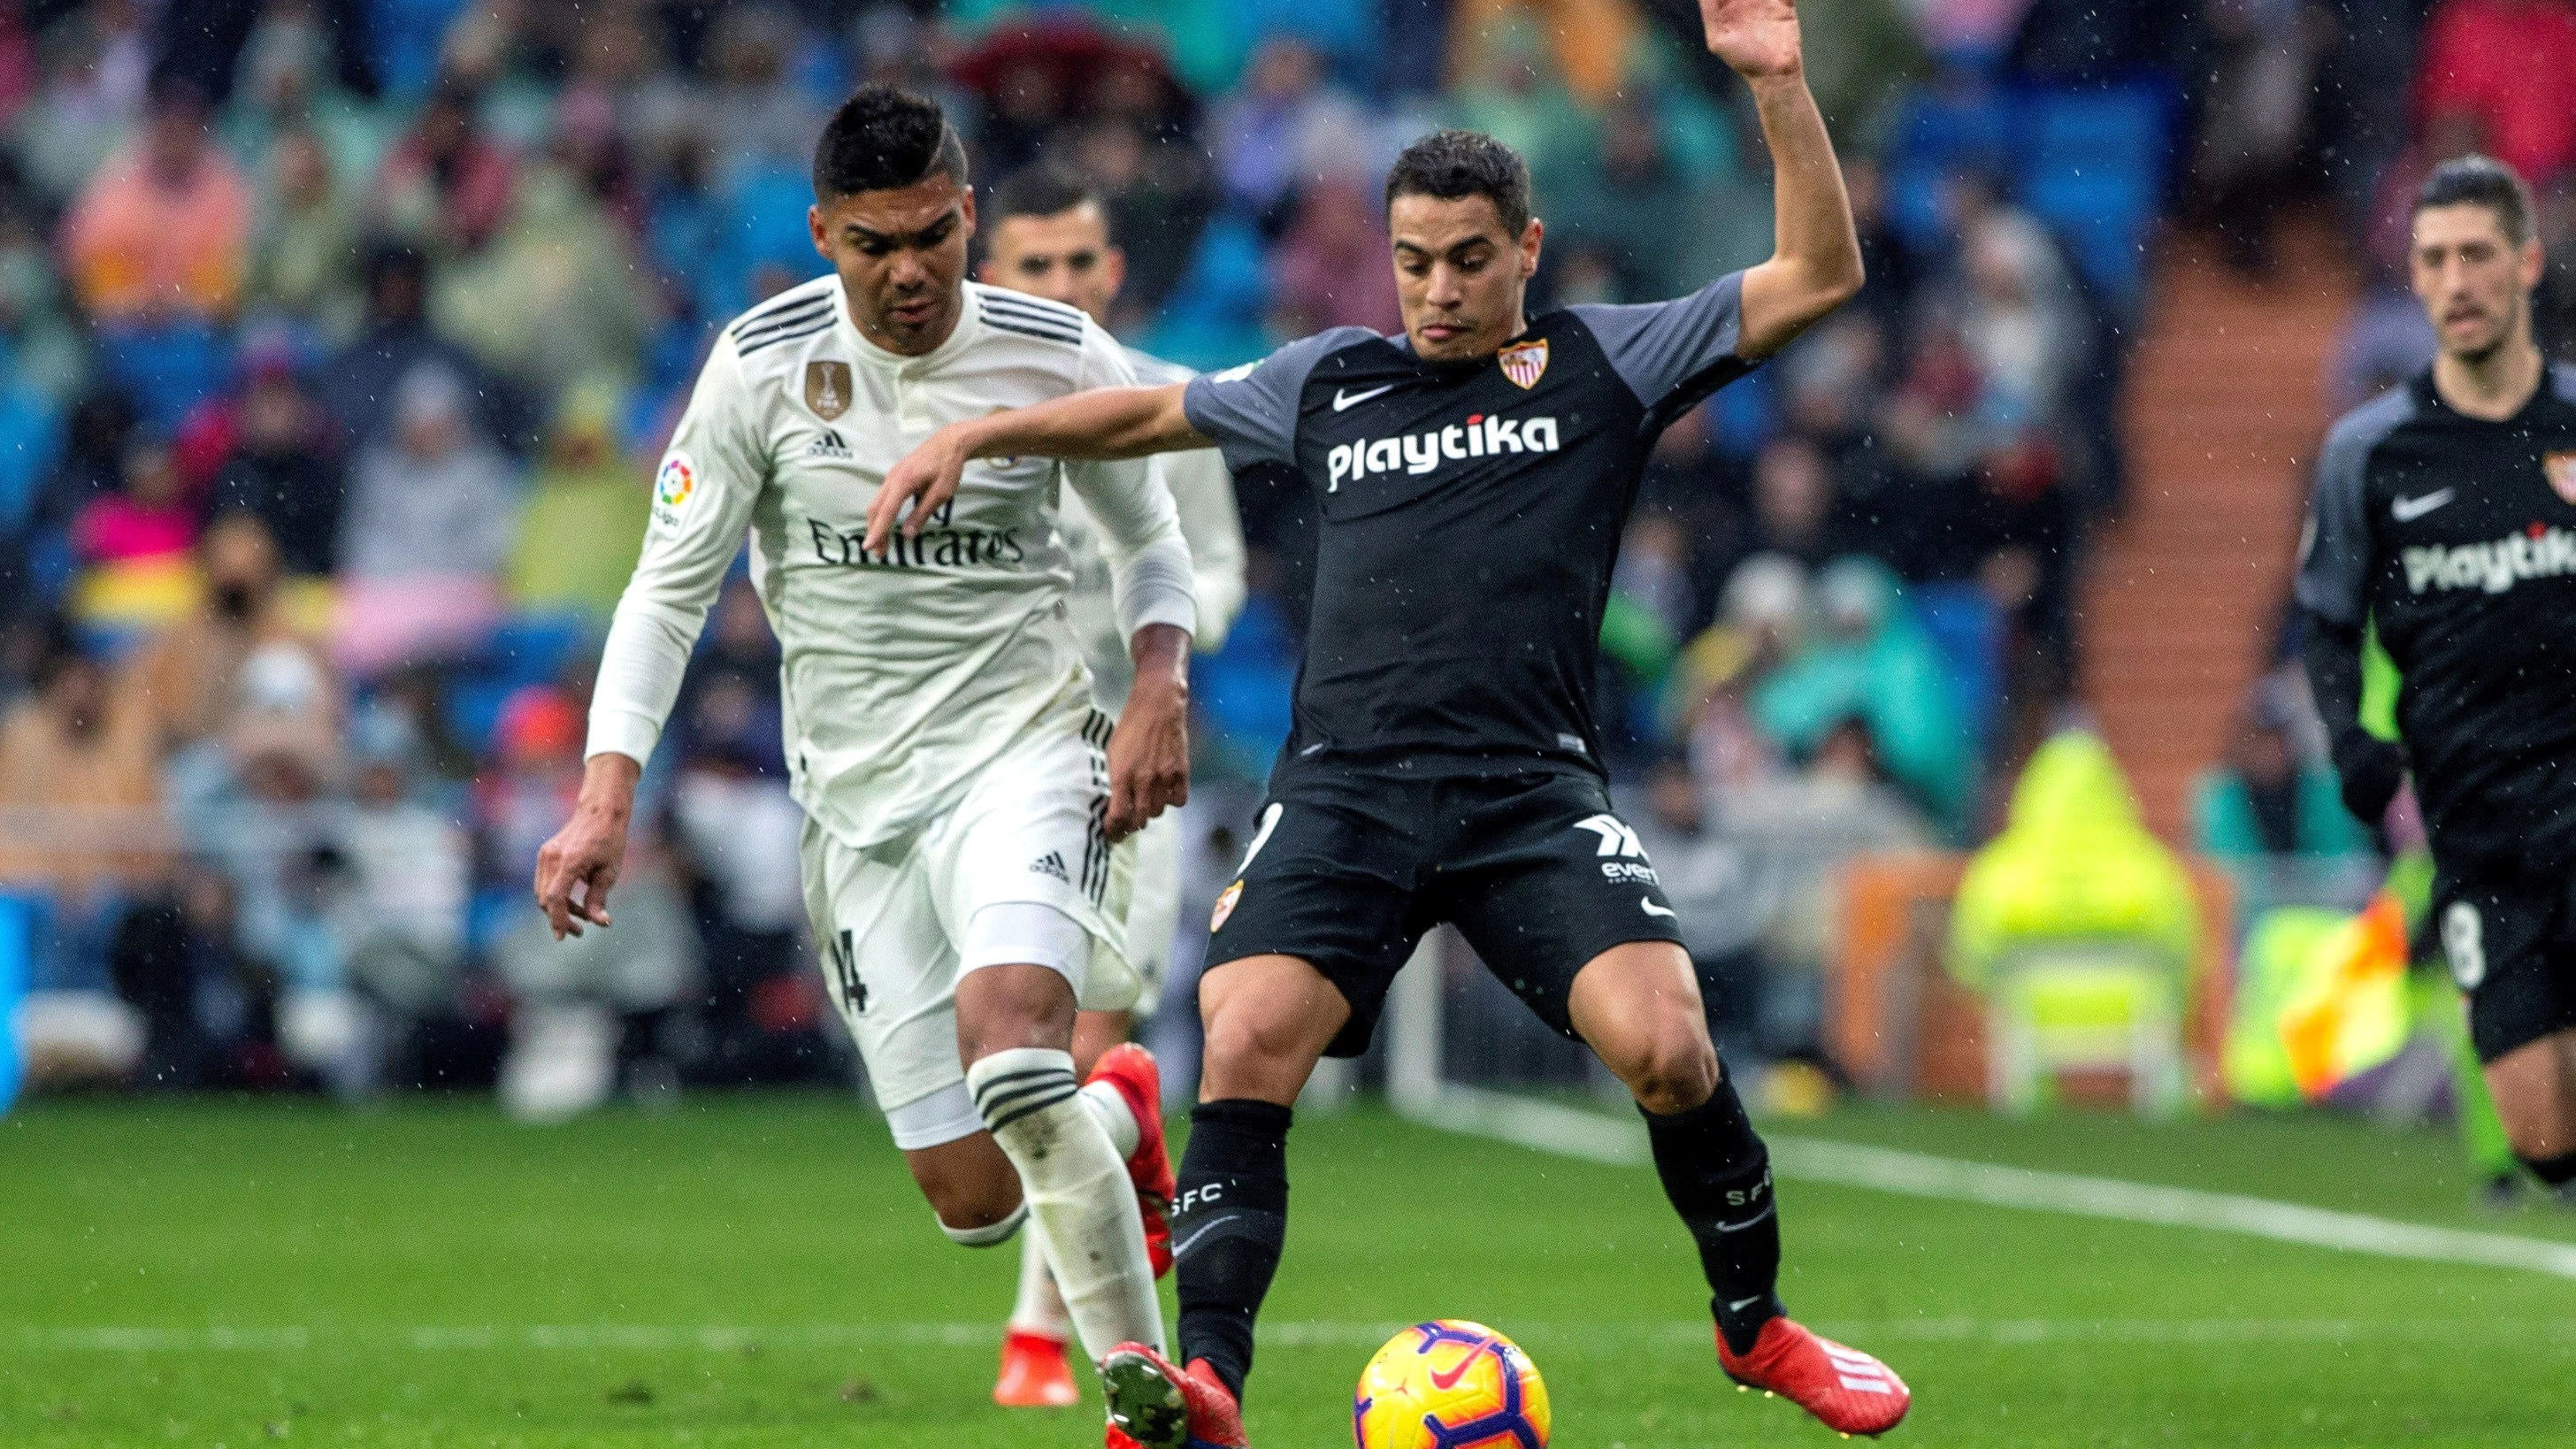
1450, 1384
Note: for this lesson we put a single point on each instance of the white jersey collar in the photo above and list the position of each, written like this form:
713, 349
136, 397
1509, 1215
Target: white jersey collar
960, 337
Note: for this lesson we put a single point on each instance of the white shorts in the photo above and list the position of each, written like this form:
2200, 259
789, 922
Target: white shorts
1154, 907
888, 920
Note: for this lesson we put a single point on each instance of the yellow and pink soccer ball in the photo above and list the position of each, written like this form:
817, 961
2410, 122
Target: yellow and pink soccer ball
1450, 1384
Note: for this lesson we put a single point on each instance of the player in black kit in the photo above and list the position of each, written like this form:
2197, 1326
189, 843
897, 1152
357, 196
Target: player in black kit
2445, 517
1473, 477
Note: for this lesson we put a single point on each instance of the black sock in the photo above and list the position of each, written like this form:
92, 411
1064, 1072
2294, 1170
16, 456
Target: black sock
1228, 1225
1718, 1175
2556, 1171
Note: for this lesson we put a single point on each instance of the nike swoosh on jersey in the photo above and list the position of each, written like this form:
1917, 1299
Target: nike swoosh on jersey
2407, 510
1647, 904
1344, 399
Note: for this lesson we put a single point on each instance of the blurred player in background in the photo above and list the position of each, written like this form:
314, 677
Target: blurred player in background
1474, 478
961, 792
2445, 520
1046, 233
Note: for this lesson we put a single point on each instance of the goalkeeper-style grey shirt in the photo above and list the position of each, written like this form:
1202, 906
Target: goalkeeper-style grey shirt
1470, 517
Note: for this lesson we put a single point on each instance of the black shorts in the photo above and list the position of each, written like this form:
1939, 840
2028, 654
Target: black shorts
1347, 871
2510, 939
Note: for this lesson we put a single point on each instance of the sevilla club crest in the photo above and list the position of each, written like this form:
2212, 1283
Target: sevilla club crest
1524, 362
2560, 470
827, 388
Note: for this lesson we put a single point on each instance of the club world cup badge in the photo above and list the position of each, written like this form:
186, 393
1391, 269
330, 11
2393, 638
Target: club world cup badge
1524, 362
2560, 469
827, 388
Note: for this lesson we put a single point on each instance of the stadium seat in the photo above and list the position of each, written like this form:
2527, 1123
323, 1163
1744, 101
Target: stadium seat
168, 369
17, 967
2092, 165
1943, 132
1968, 633
2085, 1006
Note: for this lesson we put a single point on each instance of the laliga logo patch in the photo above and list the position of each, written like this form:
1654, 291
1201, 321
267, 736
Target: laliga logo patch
1225, 906
677, 480
2560, 470
1524, 362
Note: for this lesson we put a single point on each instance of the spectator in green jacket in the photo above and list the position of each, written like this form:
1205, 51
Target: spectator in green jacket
1871, 661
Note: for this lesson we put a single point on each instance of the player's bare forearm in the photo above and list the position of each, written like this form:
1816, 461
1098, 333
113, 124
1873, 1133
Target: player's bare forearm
1101, 425
1149, 752
1815, 261
578, 867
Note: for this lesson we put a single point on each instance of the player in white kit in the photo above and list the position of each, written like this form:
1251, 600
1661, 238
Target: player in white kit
966, 851
1047, 234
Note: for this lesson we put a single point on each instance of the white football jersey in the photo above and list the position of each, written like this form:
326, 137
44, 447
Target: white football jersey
1203, 492
905, 673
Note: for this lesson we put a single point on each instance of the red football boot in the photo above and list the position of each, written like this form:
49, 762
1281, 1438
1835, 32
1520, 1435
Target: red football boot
1153, 1405
1843, 1387
1034, 1373
1130, 1068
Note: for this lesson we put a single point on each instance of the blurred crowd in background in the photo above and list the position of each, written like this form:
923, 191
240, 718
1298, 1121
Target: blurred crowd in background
337, 336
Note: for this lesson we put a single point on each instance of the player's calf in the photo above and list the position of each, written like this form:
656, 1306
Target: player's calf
970, 1185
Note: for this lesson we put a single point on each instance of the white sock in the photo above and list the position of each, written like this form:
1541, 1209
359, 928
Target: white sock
1115, 1117
1039, 1309
1075, 1182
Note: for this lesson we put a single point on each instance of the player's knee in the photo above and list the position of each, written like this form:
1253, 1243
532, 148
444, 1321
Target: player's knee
1673, 1070
974, 1213
1253, 1053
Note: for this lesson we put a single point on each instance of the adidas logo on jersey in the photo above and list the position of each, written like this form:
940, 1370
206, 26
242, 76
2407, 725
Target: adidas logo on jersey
829, 445
1483, 435
2535, 553
1052, 863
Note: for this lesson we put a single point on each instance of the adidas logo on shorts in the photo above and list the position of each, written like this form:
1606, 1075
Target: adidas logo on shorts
1052, 863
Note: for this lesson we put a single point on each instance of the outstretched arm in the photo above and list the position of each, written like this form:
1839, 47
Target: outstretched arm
1815, 257
1099, 425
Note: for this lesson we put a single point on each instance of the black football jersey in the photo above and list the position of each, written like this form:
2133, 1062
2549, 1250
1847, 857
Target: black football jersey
2457, 538
1470, 516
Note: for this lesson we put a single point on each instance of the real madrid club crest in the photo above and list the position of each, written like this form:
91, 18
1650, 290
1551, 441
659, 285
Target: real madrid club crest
827, 388
2560, 470
1225, 906
1524, 362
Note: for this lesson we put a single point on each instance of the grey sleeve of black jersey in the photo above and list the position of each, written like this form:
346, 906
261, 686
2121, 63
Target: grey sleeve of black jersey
1251, 410
1686, 346
2335, 547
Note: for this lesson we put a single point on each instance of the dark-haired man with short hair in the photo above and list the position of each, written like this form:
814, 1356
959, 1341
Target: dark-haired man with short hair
1473, 477
965, 852
1046, 234
2445, 519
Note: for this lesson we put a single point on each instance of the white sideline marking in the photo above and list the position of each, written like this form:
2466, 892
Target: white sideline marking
1598, 1137
1561, 1338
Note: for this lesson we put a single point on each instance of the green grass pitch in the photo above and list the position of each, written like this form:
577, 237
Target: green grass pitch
757, 1271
